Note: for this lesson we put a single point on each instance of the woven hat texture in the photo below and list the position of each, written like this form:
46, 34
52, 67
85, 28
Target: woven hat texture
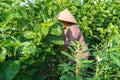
67, 16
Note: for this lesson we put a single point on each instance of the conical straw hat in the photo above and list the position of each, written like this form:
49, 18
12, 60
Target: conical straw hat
67, 16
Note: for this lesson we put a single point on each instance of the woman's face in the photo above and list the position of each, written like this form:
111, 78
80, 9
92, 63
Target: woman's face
65, 24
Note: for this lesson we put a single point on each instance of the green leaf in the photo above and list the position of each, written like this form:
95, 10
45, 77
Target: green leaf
64, 67
115, 60
78, 78
23, 13
58, 40
10, 69
7, 43
68, 55
68, 77
28, 49
10, 17
40, 36
71, 49
87, 61
64, 77
23, 76
3, 54
44, 30
29, 34
17, 1
89, 78
32, 71
48, 1
55, 30
74, 44
118, 74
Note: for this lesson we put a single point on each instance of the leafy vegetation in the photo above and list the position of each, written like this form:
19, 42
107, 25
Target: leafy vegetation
31, 41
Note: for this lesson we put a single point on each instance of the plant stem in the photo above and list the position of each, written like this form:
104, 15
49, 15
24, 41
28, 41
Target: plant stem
78, 60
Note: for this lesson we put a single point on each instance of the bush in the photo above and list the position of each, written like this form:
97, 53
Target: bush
31, 41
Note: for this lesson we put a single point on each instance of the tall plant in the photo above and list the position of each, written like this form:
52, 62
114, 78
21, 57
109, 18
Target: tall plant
76, 66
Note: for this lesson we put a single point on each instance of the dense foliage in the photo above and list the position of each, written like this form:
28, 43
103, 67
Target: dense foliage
31, 40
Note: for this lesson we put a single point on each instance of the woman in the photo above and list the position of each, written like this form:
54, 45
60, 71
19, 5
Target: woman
71, 32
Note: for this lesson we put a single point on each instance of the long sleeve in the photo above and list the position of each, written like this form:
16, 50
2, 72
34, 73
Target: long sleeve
84, 46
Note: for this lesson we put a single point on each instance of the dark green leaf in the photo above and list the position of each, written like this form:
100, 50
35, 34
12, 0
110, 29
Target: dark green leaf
10, 69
